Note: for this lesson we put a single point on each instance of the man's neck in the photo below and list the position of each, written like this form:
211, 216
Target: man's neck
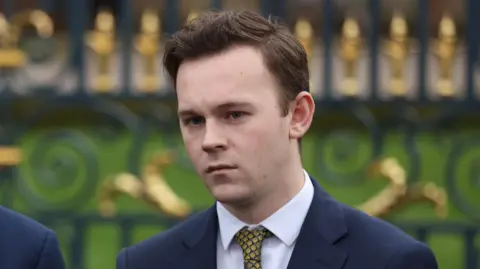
263, 207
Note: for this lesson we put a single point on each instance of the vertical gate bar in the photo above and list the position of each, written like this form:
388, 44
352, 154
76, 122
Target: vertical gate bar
77, 246
47, 5
8, 8
328, 35
470, 252
77, 17
374, 42
171, 16
421, 234
265, 8
279, 9
472, 8
126, 34
216, 4
126, 227
7, 174
423, 37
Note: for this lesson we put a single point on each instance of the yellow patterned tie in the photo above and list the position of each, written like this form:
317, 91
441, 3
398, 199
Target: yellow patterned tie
251, 243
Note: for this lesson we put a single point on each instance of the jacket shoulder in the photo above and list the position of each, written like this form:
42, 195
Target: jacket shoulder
384, 239
373, 229
25, 243
165, 243
21, 225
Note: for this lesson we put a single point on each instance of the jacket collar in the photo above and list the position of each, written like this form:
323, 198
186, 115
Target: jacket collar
324, 226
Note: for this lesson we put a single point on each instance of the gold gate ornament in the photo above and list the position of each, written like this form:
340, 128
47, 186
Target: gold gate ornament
10, 156
350, 49
398, 49
305, 35
445, 48
102, 42
11, 56
147, 43
398, 193
150, 188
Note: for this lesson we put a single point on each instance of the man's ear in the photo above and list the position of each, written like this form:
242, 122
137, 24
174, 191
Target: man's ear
302, 109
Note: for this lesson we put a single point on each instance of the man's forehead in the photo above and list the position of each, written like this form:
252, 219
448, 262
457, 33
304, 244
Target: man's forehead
233, 63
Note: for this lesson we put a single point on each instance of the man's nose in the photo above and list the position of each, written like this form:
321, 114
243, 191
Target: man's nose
214, 139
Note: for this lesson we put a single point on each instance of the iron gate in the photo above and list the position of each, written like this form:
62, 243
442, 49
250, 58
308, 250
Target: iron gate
67, 122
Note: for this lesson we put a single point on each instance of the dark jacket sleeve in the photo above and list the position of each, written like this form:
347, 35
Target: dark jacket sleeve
416, 256
50, 254
122, 259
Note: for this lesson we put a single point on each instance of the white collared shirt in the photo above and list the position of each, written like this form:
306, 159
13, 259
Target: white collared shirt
285, 224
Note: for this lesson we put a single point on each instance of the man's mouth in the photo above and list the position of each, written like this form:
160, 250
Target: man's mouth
219, 167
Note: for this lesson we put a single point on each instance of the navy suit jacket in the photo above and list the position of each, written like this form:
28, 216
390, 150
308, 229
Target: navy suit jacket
333, 236
26, 244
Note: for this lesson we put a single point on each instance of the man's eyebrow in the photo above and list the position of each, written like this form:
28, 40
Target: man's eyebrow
186, 112
233, 104
223, 106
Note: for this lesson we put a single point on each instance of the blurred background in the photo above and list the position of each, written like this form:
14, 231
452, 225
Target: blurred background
91, 148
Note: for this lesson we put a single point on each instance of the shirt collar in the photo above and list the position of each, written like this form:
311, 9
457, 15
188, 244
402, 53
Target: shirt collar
285, 223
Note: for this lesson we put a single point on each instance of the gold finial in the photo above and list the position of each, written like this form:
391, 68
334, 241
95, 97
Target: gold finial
102, 41
398, 50
445, 50
304, 34
351, 29
150, 22
11, 31
447, 29
350, 45
105, 21
41, 21
192, 15
147, 43
398, 28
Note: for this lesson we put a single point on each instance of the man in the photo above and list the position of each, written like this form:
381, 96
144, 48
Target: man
26, 244
243, 105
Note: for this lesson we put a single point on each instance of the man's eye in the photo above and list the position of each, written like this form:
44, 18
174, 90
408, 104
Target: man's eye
193, 121
235, 114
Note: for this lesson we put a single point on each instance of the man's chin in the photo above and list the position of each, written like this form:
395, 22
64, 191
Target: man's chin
228, 195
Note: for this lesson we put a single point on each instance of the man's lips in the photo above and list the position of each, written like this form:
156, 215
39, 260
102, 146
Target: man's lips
219, 167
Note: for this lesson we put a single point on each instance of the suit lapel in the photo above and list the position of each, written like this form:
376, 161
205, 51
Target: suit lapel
323, 227
200, 243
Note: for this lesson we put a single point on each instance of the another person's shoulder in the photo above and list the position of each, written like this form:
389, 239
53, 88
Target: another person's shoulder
164, 243
26, 243
384, 242
17, 224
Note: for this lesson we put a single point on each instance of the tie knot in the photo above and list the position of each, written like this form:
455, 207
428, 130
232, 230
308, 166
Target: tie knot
251, 242
255, 235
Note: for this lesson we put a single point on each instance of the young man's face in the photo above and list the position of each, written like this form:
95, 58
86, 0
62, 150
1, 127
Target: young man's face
232, 124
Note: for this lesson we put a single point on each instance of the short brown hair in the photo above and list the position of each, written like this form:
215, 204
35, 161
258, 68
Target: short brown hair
214, 32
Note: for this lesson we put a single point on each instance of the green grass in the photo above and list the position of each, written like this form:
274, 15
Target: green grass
102, 241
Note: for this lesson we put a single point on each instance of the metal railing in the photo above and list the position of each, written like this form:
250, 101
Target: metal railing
49, 74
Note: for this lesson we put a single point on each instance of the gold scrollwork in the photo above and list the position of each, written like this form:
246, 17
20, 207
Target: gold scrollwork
151, 188
398, 193
10, 156
11, 56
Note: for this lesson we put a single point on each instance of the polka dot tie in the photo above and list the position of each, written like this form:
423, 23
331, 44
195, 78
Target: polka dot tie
251, 243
